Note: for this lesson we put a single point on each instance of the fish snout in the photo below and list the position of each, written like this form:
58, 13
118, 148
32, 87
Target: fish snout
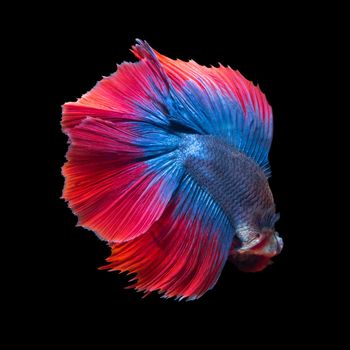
279, 243
272, 246
255, 258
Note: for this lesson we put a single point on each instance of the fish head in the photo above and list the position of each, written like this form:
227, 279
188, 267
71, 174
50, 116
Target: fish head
255, 254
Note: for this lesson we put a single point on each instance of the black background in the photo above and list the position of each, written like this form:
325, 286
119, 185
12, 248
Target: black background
277, 52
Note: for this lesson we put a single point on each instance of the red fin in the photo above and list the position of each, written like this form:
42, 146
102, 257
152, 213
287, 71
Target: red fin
134, 92
183, 253
112, 194
224, 78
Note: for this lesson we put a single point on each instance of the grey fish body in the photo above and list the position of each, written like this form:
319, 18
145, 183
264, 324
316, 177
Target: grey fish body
234, 181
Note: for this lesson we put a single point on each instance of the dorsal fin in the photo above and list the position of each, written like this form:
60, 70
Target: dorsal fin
216, 101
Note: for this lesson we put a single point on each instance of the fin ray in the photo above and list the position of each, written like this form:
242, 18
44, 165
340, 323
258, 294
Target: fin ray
183, 253
220, 101
109, 186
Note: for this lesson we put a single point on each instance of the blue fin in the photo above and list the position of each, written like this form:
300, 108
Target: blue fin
215, 101
183, 253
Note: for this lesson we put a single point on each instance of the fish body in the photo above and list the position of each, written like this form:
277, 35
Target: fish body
241, 189
168, 163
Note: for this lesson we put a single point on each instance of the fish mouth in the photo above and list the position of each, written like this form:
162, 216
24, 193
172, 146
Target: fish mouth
250, 262
269, 245
257, 257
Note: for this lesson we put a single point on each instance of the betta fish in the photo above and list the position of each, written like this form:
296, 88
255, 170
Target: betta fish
168, 164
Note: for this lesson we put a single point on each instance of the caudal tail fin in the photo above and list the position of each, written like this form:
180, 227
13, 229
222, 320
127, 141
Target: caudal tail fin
121, 168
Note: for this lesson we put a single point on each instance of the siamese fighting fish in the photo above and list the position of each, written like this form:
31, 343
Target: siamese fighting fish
168, 164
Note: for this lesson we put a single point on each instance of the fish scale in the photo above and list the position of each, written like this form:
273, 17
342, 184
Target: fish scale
233, 180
